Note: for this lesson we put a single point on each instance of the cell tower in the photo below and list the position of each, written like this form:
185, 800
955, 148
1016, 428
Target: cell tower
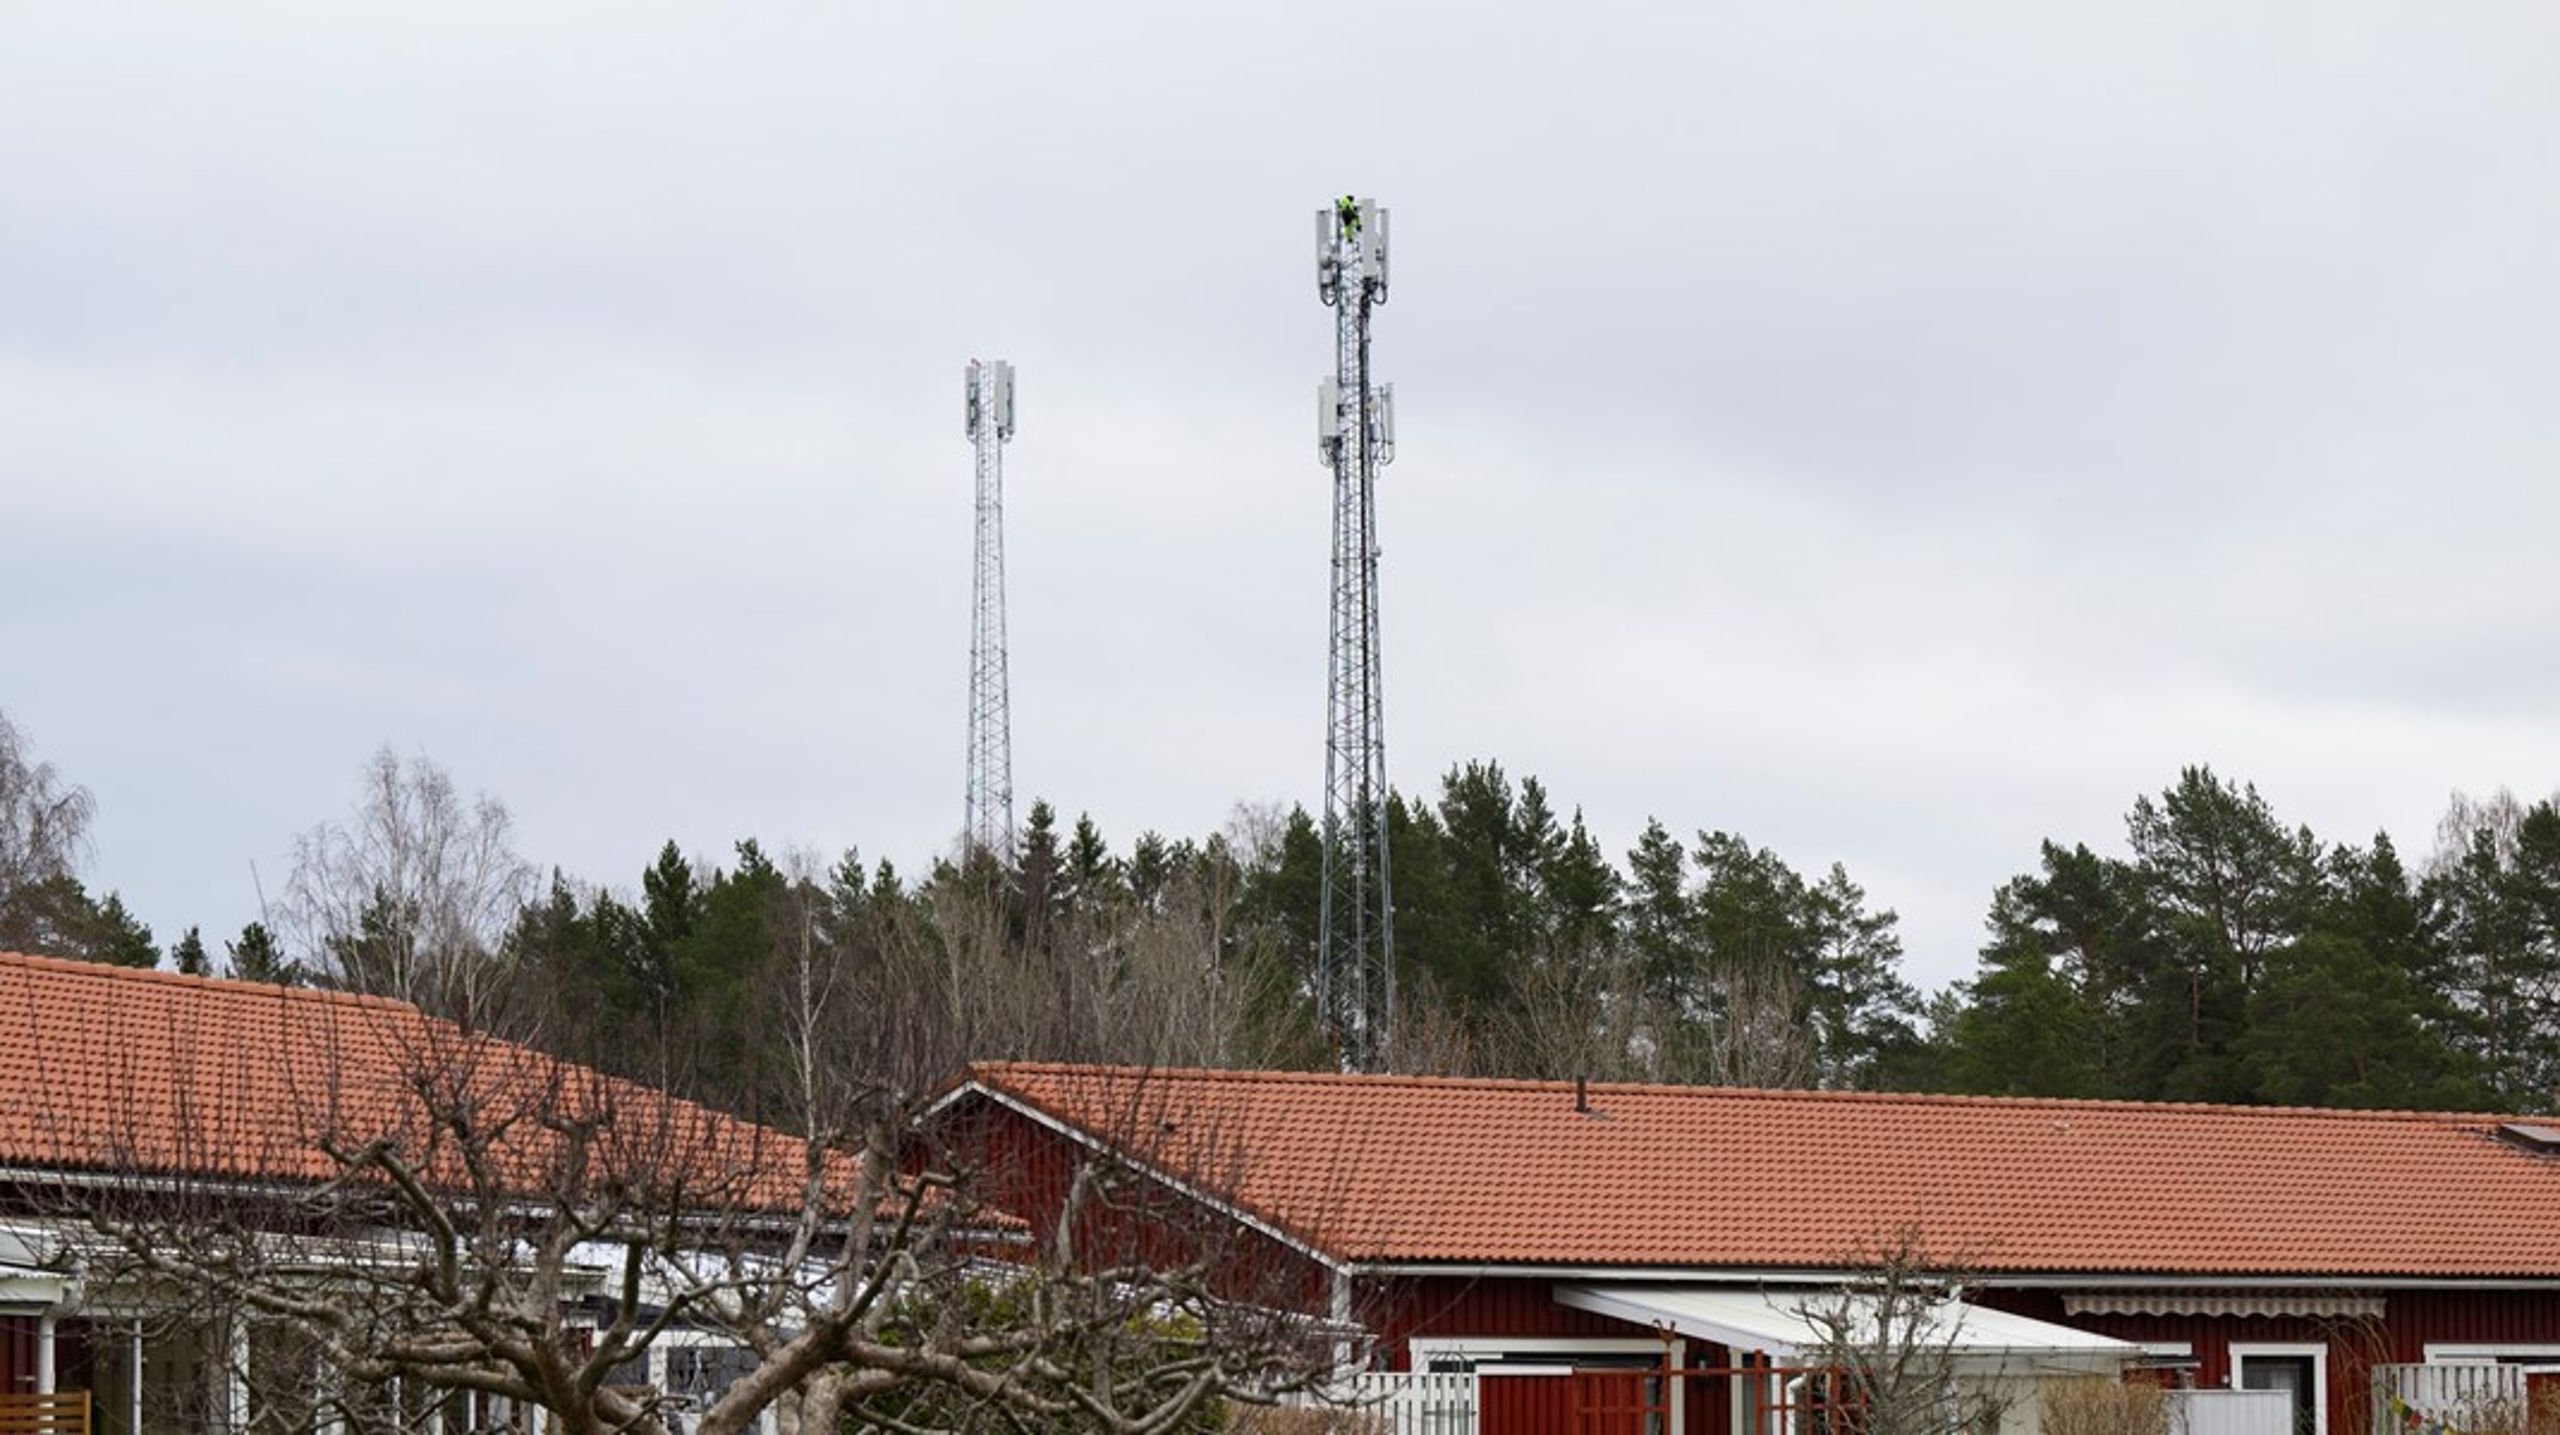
1356, 433
990, 828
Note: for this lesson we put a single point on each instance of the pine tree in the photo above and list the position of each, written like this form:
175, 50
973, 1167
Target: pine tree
1657, 920
2229, 885
1091, 880
2022, 1029
1039, 882
1282, 889
1577, 896
1487, 856
1863, 1012
2346, 1016
670, 905
255, 957
1150, 868
188, 956
2498, 907
110, 934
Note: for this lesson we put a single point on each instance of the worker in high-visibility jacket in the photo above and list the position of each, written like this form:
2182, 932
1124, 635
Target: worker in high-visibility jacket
1348, 210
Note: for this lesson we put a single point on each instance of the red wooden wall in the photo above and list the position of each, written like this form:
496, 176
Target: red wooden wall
18, 1355
1028, 1169
1403, 1308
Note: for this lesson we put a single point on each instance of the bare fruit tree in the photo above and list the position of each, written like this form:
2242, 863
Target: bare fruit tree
1892, 1331
413, 895
399, 1224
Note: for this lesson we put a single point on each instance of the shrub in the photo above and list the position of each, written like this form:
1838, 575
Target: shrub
2096, 1405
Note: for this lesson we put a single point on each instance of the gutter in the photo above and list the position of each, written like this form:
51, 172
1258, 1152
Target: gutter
1823, 1275
776, 1224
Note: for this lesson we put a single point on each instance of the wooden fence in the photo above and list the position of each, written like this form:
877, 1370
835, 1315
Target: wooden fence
2448, 1399
65, 1413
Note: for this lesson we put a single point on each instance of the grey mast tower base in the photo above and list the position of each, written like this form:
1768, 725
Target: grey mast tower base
1356, 951
990, 825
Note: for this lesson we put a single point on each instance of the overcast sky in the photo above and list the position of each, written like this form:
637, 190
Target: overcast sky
1897, 432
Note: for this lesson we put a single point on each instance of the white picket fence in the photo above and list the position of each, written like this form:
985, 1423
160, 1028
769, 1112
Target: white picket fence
2447, 1397
1410, 1402
2230, 1412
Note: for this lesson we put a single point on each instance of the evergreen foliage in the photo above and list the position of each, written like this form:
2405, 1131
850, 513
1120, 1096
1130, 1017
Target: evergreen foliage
2223, 955
2231, 958
256, 958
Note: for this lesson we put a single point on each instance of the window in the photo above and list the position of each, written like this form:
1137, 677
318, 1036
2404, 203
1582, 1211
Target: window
2301, 1371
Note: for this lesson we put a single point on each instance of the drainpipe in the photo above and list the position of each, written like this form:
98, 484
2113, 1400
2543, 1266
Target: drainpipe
235, 1376
1340, 1310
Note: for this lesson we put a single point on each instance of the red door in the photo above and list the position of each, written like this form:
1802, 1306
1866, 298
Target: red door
18, 1355
1553, 1400
1619, 1402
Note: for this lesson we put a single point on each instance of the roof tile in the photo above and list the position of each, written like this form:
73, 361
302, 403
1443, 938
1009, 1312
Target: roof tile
1426, 1169
144, 1072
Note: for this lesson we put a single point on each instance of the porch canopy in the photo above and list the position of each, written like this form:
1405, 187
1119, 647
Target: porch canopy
1773, 1322
30, 1290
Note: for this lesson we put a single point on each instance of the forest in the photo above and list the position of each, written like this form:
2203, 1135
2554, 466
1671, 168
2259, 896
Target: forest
2207, 950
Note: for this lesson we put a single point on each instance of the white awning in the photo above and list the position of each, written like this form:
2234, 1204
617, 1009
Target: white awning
2332, 1305
1773, 1322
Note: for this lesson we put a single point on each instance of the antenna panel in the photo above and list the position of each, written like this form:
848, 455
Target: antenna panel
970, 407
1004, 399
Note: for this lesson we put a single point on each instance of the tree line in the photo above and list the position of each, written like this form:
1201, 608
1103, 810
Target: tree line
2226, 956
2231, 957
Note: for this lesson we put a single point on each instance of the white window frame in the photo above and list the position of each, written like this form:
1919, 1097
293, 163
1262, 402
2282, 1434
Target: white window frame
2468, 1351
1421, 1350
2239, 1351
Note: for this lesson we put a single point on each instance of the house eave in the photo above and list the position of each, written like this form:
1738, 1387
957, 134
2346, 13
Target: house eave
2016, 1280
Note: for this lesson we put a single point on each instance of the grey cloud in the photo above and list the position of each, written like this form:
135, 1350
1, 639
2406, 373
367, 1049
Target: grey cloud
1898, 433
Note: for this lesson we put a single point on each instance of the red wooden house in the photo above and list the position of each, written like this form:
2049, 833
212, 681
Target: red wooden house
1552, 1239
225, 1098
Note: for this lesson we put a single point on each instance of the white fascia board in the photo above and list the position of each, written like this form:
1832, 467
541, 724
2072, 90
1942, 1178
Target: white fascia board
29, 1292
1097, 1145
2014, 1280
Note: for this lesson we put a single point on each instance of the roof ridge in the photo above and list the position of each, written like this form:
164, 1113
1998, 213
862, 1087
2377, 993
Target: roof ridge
109, 971
1408, 1081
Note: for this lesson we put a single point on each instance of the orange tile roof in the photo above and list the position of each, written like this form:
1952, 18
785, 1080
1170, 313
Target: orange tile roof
1419, 1169
109, 1069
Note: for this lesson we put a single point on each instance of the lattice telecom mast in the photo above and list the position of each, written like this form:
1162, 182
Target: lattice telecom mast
1356, 432
990, 827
